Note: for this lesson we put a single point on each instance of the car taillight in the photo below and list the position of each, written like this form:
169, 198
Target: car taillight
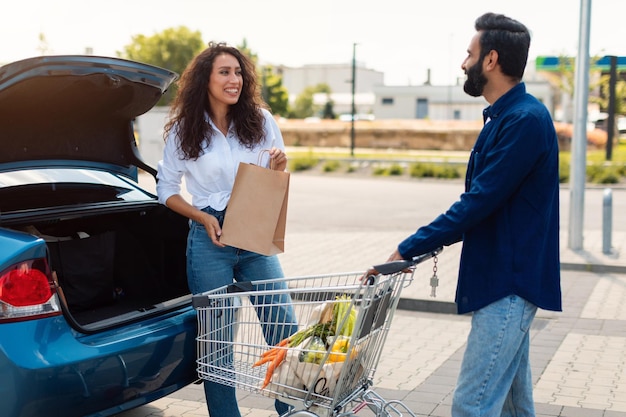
27, 292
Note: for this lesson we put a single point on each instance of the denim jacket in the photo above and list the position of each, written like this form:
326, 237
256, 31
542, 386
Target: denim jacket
508, 216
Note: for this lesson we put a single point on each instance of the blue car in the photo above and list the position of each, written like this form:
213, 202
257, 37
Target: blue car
95, 312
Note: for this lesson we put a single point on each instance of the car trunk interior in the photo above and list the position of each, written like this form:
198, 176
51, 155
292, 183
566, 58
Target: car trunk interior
119, 266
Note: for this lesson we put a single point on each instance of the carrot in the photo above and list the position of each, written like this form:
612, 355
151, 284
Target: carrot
284, 341
264, 359
271, 352
280, 357
274, 350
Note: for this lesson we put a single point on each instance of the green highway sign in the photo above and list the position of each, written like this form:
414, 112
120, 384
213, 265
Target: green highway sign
552, 63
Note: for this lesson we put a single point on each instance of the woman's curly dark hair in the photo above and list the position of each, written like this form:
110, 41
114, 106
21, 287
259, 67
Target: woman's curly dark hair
192, 101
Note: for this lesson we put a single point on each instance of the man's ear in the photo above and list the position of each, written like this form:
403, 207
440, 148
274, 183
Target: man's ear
491, 60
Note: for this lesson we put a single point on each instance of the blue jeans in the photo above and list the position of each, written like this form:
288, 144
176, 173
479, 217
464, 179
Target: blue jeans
495, 378
210, 267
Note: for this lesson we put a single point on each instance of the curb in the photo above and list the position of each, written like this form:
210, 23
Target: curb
596, 268
449, 307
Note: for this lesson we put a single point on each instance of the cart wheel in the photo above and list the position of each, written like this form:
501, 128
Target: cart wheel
300, 413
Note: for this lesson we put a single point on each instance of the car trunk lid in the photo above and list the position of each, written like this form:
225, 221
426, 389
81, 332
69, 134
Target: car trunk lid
100, 95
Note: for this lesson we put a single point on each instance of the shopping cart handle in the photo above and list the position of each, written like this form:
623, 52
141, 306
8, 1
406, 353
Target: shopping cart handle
397, 266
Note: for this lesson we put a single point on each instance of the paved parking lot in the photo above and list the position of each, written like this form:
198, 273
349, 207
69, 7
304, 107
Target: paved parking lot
342, 223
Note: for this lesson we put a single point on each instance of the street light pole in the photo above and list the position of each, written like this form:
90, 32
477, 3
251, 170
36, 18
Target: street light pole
352, 132
578, 168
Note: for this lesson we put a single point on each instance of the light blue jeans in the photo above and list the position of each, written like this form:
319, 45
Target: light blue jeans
495, 378
210, 267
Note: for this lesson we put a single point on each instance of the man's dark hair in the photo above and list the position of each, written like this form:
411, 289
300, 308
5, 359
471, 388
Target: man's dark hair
509, 38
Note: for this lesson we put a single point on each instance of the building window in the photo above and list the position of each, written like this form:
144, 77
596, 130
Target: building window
457, 115
421, 112
387, 101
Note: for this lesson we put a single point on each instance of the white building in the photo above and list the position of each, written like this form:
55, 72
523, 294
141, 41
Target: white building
446, 102
373, 97
339, 78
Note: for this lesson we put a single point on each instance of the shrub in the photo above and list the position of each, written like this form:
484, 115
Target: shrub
302, 164
449, 172
603, 174
563, 171
395, 169
421, 170
380, 171
596, 172
331, 166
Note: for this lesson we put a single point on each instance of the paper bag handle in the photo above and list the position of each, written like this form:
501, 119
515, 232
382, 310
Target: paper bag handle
270, 161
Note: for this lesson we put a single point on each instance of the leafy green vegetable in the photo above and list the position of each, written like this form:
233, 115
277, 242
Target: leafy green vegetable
344, 316
314, 352
322, 330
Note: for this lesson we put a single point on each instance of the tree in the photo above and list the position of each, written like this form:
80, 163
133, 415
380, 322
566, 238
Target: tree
172, 49
305, 107
43, 46
564, 79
603, 100
274, 93
620, 94
272, 89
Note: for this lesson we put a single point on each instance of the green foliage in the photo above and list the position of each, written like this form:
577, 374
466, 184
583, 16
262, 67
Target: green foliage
274, 93
302, 163
620, 95
598, 171
171, 49
603, 174
564, 168
304, 106
390, 170
420, 170
331, 165
379, 171
564, 78
329, 112
243, 47
432, 170
272, 89
396, 169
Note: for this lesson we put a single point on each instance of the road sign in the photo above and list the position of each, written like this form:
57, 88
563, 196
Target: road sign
554, 63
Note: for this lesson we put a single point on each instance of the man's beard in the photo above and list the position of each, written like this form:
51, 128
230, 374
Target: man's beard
476, 80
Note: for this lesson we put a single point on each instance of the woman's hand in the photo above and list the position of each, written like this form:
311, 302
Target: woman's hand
278, 159
210, 223
213, 229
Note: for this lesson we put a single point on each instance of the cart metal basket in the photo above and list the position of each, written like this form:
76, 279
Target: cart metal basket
342, 324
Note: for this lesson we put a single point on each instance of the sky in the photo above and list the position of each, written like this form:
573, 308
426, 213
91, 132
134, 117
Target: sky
404, 39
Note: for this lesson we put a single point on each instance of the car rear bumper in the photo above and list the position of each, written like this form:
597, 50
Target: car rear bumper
51, 370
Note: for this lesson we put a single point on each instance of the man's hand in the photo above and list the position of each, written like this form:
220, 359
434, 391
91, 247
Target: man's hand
395, 256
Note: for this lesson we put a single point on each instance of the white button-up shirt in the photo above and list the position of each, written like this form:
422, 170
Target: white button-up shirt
210, 178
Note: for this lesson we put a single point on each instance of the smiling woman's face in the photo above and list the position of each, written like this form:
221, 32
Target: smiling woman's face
225, 81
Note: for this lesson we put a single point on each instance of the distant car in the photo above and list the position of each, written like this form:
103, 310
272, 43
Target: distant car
347, 117
95, 313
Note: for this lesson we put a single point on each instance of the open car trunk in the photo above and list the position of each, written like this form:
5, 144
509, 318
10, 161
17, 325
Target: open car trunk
118, 266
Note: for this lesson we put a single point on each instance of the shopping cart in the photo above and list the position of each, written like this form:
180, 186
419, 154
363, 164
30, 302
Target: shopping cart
326, 365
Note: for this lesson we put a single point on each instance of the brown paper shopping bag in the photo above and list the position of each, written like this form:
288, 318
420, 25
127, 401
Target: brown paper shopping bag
257, 211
